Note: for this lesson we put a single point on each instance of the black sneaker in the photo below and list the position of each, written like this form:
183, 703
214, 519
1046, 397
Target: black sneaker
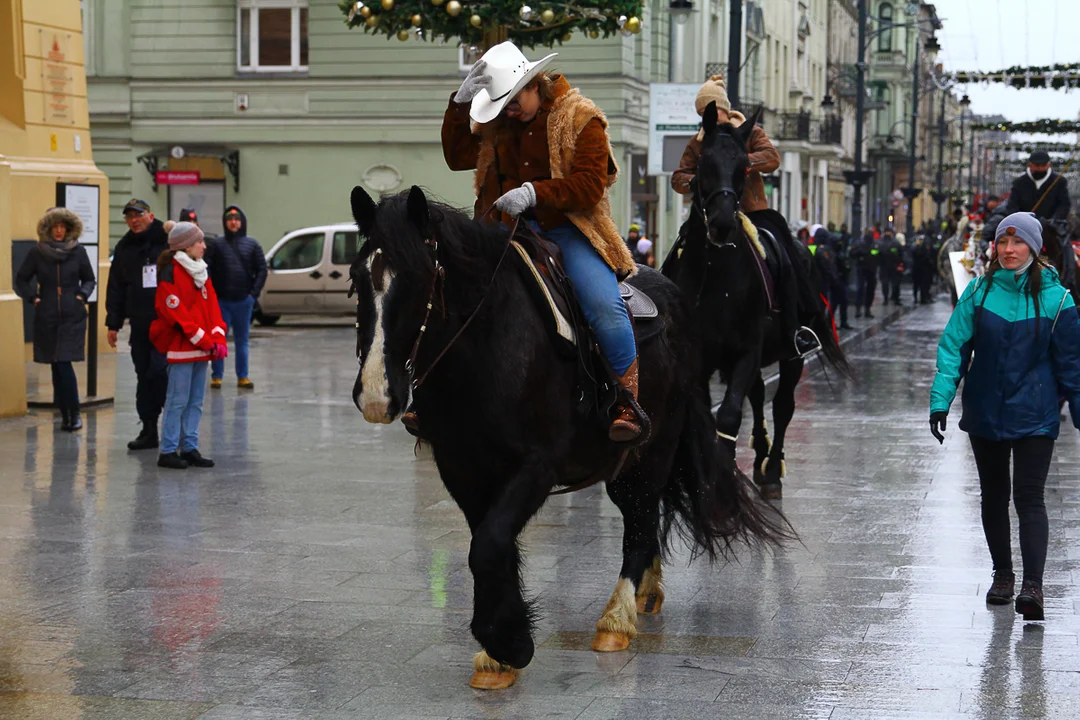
1029, 602
65, 420
74, 421
869, 316
194, 459
172, 460
1001, 591
147, 440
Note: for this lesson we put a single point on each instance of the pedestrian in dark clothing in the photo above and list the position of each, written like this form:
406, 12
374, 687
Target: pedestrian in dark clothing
1015, 339
864, 255
64, 278
238, 270
892, 267
828, 268
922, 270
842, 250
130, 296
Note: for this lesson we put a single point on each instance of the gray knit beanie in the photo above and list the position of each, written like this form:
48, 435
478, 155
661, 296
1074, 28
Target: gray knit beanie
1025, 226
184, 235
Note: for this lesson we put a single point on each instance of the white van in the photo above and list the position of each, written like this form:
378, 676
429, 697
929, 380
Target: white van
308, 273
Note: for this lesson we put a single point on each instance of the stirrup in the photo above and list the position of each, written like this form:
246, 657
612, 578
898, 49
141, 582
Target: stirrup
815, 341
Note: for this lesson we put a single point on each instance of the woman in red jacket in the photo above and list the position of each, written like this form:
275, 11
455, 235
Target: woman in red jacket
189, 332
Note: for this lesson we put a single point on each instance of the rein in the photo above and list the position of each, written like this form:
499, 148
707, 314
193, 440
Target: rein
440, 272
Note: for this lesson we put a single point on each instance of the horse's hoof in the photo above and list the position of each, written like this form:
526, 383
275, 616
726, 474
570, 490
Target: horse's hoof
610, 642
493, 680
649, 604
772, 491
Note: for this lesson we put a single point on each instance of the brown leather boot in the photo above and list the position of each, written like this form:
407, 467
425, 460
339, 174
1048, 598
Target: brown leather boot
626, 427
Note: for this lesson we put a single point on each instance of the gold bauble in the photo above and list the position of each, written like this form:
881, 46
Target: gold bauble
634, 25
402, 35
437, 3
547, 16
566, 37
594, 34
365, 12
417, 20
372, 20
453, 8
476, 21
387, 4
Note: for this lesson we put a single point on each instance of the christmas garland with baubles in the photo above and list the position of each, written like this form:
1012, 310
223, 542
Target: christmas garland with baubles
1056, 76
1045, 126
544, 24
1032, 146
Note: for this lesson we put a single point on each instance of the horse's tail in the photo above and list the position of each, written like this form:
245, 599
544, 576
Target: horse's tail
707, 500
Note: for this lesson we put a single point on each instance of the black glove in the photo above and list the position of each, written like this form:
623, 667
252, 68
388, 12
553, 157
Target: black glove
937, 425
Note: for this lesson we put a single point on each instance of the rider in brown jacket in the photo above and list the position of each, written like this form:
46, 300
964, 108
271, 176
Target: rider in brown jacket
763, 159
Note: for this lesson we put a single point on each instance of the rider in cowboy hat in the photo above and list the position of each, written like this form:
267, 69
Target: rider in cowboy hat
763, 159
540, 150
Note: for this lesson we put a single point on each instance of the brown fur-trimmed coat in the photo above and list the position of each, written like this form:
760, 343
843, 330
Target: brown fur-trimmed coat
564, 152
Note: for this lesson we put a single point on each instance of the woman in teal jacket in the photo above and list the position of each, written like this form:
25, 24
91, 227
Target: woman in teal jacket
1014, 338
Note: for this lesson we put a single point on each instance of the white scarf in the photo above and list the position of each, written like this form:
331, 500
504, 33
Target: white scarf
1024, 268
195, 268
1040, 182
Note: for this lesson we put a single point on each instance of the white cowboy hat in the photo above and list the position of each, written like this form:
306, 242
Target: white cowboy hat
510, 71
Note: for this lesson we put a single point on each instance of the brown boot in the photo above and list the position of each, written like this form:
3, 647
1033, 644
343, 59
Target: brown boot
626, 427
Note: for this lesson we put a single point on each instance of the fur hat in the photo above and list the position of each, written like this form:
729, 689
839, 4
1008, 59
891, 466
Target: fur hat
714, 90
57, 215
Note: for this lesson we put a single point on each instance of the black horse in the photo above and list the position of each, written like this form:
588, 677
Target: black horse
714, 264
441, 313
1057, 244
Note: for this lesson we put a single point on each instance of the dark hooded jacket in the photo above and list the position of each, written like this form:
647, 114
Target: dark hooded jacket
237, 262
64, 284
125, 297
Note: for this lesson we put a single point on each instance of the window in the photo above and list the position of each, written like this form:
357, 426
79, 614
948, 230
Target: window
272, 35
346, 246
885, 15
299, 253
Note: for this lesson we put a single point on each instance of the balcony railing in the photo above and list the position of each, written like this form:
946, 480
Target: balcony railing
803, 126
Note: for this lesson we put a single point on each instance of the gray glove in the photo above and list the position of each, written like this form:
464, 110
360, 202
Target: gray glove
477, 80
517, 200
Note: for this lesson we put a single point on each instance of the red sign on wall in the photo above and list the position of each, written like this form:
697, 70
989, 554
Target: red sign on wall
177, 177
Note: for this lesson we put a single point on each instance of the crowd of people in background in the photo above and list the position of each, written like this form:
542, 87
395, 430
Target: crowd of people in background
179, 293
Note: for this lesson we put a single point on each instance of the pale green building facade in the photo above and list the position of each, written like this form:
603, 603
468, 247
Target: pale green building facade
282, 109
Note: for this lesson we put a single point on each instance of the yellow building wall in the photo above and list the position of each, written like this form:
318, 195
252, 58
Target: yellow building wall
44, 139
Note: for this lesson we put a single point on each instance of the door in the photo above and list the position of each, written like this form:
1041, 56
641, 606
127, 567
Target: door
208, 199
344, 246
295, 281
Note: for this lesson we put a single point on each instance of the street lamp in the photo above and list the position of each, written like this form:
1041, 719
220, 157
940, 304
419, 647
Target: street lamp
965, 108
911, 191
680, 10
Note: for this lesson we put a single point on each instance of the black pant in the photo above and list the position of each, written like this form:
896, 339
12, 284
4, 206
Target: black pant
153, 378
1031, 463
65, 386
838, 301
865, 286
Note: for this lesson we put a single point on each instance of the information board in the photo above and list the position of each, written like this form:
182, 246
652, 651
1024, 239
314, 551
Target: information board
672, 122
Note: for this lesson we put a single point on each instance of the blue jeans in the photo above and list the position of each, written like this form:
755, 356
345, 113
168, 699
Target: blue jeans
597, 291
183, 407
237, 315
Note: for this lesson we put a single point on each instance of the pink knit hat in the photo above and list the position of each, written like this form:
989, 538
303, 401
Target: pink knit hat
184, 235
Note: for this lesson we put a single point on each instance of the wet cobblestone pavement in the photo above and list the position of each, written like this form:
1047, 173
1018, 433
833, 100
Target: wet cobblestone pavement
320, 571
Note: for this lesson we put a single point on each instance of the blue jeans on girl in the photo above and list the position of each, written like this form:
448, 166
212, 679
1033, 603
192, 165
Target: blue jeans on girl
183, 407
237, 315
598, 292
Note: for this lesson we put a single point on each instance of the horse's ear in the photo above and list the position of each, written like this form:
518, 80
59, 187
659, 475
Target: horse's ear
418, 209
363, 209
747, 128
710, 117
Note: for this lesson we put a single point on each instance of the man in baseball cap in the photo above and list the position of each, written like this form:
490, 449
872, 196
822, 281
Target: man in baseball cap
130, 296
1039, 190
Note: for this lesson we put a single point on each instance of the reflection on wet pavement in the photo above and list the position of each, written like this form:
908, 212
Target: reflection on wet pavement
320, 571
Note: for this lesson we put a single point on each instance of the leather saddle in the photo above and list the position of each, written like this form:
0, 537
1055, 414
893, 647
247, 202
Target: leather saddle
540, 263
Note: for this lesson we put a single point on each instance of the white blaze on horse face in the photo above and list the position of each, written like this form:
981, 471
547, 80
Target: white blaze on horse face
375, 397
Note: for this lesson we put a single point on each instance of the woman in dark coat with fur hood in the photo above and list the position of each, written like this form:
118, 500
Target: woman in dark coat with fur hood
64, 280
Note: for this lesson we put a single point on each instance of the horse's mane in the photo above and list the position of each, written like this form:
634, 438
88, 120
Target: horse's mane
467, 248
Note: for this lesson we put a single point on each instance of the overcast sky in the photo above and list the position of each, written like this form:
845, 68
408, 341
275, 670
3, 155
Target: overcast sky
990, 35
